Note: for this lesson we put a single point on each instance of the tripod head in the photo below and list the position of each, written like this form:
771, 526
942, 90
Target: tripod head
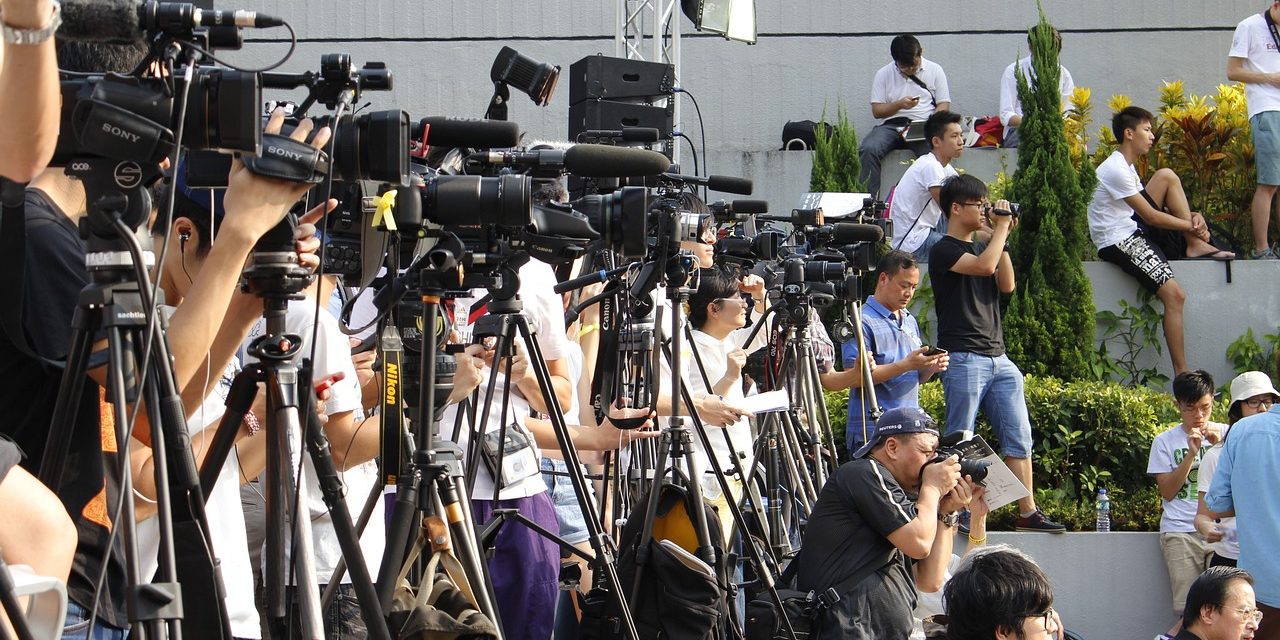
274, 273
116, 199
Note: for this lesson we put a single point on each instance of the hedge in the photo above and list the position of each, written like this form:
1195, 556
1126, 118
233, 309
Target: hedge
1086, 435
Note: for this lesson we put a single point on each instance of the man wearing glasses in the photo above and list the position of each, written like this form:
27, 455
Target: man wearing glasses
1244, 486
1220, 606
907, 90
968, 278
1000, 593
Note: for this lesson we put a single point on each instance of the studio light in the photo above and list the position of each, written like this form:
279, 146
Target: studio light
733, 19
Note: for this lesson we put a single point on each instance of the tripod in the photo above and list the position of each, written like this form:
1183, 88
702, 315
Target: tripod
118, 302
275, 275
506, 323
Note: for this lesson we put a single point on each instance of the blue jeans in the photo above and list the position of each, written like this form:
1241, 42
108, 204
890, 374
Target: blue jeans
994, 384
77, 625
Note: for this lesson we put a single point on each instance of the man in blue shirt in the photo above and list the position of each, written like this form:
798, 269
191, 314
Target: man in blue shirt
892, 339
1244, 485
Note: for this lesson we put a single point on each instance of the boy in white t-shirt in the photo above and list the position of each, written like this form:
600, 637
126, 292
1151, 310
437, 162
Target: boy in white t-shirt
1254, 59
1136, 228
915, 212
1175, 463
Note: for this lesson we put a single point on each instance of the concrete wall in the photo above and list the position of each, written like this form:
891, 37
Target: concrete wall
810, 56
1105, 585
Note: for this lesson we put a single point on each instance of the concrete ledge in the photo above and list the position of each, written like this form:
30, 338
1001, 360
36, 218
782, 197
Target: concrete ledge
981, 162
1105, 585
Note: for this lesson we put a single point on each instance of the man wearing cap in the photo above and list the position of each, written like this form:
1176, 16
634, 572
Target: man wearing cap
1244, 486
882, 524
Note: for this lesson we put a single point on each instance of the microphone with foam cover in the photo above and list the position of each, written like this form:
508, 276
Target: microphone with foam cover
604, 161
440, 131
126, 21
850, 233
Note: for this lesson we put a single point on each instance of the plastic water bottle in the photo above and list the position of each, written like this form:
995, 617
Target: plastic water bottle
1104, 511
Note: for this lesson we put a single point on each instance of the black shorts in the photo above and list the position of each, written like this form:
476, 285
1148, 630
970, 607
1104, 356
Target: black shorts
1141, 259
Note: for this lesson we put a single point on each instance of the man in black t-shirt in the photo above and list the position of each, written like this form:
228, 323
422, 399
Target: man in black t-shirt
873, 520
968, 279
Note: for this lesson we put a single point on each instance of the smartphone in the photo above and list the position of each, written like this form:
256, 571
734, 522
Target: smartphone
931, 351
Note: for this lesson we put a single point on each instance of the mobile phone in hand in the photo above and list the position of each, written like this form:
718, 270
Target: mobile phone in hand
931, 351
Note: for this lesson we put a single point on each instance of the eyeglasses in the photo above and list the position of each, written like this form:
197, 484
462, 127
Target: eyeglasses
721, 301
1198, 409
1047, 618
1250, 613
985, 207
1260, 403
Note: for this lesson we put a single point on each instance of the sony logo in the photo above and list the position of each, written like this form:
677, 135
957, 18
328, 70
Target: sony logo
120, 133
285, 153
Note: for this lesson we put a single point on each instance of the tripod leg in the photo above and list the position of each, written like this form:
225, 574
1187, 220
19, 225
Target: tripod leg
67, 407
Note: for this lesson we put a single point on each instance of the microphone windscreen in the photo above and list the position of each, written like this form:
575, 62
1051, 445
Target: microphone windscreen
467, 132
849, 233
639, 134
750, 206
730, 184
113, 21
604, 161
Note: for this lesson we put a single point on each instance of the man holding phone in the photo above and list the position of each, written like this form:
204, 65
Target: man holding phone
900, 361
908, 89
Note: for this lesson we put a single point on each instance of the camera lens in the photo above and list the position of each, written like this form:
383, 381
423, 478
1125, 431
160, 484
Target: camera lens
372, 146
619, 217
505, 201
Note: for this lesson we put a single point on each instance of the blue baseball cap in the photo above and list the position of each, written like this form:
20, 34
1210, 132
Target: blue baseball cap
895, 422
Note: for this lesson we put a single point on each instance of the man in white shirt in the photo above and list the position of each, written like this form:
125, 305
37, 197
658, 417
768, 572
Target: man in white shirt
1254, 59
1127, 223
907, 90
915, 211
1011, 105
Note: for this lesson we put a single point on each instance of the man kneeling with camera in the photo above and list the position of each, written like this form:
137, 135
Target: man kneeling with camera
883, 523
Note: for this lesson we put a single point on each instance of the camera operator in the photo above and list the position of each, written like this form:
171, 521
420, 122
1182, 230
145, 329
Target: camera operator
55, 274
968, 279
29, 93
712, 408
889, 513
718, 315
524, 565
900, 363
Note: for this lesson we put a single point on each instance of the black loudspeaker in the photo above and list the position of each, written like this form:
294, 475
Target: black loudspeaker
603, 78
607, 114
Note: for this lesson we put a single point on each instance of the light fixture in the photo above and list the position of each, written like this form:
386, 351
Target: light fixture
533, 78
733, 19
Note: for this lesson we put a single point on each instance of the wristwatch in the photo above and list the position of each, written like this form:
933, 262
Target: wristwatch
14, 35
949, 519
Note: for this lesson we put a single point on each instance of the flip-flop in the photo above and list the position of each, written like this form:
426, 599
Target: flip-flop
1216, 256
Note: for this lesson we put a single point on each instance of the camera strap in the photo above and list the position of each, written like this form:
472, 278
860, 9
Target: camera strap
284, 158
933, 99
903, 237
1271, 26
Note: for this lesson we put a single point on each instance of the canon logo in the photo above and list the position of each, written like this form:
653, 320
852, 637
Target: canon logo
285, 153
120, 133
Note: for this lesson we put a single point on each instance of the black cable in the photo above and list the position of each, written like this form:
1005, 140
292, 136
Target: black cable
293, 44
702, 133
692, 149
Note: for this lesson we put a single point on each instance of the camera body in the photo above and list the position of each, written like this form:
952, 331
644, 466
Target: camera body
954, 444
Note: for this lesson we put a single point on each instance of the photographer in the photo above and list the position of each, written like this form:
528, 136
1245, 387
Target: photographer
968, 279
29, 92
882, 524
55, 275
892, 338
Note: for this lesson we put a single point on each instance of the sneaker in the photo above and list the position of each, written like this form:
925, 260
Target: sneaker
1038, 522
963, 524
1265, 254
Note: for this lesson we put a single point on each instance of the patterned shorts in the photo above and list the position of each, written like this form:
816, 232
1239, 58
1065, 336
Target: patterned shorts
1140, 259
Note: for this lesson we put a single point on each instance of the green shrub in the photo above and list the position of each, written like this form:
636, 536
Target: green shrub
1086, 435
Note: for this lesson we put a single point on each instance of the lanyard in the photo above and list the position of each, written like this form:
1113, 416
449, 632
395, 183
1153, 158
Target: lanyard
1271, 25
934, 98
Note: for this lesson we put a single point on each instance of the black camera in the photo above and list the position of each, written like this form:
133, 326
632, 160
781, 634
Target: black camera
612, 214
1015, 210
954, 444
127, 118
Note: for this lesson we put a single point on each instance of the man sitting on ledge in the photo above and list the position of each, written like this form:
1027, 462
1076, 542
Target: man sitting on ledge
1138, 228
